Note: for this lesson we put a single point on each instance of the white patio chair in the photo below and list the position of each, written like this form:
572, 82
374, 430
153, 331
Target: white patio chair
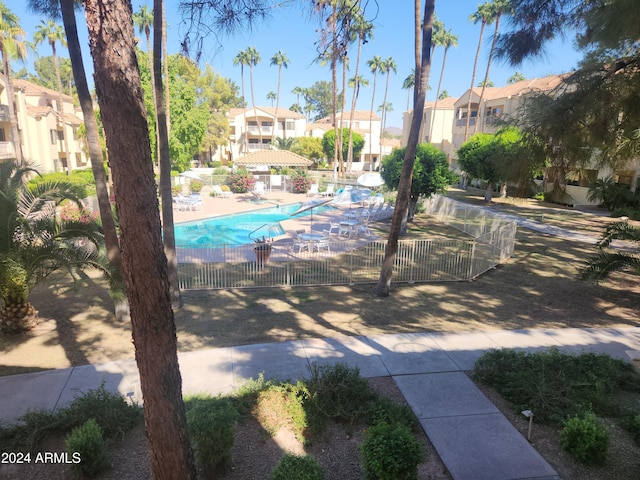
218, 192
329, 191
299, 243
258, 189
313, 190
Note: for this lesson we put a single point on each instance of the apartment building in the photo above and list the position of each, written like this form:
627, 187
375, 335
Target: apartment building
436, 124
48, 137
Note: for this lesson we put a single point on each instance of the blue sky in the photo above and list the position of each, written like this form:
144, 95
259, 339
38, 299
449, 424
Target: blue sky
292, 31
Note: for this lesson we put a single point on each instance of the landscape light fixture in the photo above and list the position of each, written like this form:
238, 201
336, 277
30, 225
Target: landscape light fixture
529, 415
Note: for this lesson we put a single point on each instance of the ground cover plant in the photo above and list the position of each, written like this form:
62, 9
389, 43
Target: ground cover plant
567, 392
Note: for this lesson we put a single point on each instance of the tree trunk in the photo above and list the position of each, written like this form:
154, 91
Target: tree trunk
373, 97
284, 127
147, 33
165, 66
164, 162
117, 80
486, 75
18, 317
356, 86
13, 120
253, 102
435, 105
404, 187
112, 244
60, 119
473, 79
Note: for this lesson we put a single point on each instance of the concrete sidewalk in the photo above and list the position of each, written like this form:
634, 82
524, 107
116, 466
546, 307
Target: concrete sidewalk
472, 437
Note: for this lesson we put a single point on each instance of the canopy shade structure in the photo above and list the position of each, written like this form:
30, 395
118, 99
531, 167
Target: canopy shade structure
273, 158
192, 175
370, 180
354, 195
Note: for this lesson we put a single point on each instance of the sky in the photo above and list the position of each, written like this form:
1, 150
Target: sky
293, 31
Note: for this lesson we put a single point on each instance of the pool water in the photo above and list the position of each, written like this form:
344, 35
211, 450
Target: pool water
236, 229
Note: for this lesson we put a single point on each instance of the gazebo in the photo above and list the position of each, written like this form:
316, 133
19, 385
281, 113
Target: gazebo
272, 158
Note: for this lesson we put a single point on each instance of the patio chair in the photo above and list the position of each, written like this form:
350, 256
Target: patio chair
332, 226
329, 191
323, 244
313, 190
258, 189
195, 202
218, 192
298, 242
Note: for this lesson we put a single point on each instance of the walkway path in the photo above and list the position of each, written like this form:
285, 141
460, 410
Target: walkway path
474, 440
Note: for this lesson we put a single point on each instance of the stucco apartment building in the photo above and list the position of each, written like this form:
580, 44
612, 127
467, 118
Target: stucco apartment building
255, 129
48, 138
499, 103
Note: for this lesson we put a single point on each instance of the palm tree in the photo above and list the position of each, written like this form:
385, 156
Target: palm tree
361, 82
516, 77
284, 143
376, 64
271, 95
242, 60
601, 265
281, 60
389, 66
94, 146
143, 19
253, 58
408, 84
498, 7
384, 108
297, 91
449, 40
422, 66
11, 40
482, 15
363, 29
52, 33
443, 95
35, 242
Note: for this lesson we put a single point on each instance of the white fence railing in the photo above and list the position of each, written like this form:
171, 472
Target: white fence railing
342, 263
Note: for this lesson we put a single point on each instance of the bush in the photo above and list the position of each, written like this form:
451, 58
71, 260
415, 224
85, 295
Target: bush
383, 410
109, 409
81, 182
285, 403
300, 182
632, 213
390, 452
294, 467
339, 392
241, 182
632, 424
86, 442
211, 425
586, 439
195, 186
176, 189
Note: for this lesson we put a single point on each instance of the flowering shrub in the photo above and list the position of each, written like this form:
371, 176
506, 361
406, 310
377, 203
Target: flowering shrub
71, 213
241, 182
300, 182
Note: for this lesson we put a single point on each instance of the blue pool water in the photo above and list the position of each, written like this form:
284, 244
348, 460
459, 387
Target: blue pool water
235, 229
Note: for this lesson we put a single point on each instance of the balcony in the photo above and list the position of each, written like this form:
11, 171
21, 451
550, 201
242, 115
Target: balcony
462, 122
7, 150
253, 147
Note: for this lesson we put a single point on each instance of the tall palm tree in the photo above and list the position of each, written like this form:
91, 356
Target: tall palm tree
482, 15
297, 91
385, 108
143, 19
604, 263
498, 8
11, 41
389, 66
271, 95
423, 65
94, 146
253, 59
516, 77
409, 83
164, 160
242, 60
281, 60
361, 82
364, 31
35, 242
449, 40
376, 65
53, 33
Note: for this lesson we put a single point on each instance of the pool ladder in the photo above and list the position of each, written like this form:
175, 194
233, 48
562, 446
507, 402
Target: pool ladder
272, 227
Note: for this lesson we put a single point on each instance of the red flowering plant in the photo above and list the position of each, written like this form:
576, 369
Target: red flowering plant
300, 182
241, 181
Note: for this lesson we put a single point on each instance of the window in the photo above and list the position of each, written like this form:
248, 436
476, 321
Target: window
356, 124
267, 123
291, 125
2, 135
53, 136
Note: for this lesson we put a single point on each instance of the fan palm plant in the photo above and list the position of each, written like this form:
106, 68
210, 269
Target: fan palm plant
35, 242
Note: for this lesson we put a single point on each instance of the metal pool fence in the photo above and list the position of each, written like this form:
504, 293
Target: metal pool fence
491, 241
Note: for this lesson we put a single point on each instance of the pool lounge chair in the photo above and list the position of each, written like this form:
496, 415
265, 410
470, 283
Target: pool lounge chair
218, 192
329, 191
258, 189
313, 190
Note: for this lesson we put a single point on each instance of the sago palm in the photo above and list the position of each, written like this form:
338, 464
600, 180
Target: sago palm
35, 242
605, 262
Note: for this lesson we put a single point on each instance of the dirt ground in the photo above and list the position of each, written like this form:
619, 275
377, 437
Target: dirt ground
537, 288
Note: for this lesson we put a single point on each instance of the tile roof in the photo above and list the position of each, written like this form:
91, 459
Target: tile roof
44, 110
357, 115
234, 112
32, 89
275, 158
444, 103
522, 87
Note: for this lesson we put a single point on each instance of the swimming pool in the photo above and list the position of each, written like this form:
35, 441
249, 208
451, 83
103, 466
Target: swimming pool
235, 229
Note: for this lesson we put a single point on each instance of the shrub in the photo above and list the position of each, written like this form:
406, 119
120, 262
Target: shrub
339, 392
284, 404
294, 467
109, 409
87, 442
176, 189
586, 439
196, 186
211, 426
632, 213
71, 212
241, 181
300, 182
390, 452
81, 183
383, 410
632, 424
